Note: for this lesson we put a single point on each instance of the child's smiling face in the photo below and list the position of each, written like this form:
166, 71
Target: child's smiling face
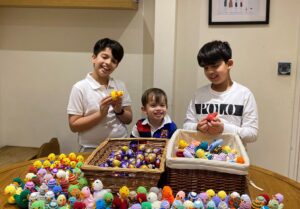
104, 64
155, 110
218, 74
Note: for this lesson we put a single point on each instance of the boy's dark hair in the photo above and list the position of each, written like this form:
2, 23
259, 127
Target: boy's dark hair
213, 52
116, 48
158, 94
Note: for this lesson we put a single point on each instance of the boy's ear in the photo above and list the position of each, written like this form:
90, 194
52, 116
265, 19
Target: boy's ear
93, 58
143, 109
230, 63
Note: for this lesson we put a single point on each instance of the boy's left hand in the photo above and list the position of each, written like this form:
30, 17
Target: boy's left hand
215, 126
117, 104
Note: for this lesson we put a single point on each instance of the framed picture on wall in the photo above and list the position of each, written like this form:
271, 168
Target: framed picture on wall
225, 12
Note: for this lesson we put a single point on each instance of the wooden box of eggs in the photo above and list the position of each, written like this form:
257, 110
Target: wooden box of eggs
200, 162
130, 162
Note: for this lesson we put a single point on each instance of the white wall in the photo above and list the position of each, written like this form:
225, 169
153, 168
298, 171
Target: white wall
256, 51
43, 52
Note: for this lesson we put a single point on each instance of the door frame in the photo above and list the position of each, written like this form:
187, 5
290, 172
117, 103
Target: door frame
294, 161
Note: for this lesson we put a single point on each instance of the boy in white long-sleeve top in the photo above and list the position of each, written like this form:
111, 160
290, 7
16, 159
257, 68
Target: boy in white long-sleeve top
233, 104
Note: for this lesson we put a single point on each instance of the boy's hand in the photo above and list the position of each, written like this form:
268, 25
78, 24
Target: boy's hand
104, 105
211, 125
215, 126
117, 104
202, 126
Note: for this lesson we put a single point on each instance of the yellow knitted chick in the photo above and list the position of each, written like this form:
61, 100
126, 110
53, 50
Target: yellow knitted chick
116, 94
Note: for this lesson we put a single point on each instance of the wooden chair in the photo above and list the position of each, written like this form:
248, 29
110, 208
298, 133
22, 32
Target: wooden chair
49, 147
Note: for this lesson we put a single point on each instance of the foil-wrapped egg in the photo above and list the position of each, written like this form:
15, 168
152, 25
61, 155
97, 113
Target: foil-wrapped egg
124, 149
157, 162
132, 161
133, 145
157, 151
142, 147
148, 150
116, 163
124, 164
140, 156
130, 153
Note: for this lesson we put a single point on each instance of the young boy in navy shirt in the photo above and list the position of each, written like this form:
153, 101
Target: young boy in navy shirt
158, 123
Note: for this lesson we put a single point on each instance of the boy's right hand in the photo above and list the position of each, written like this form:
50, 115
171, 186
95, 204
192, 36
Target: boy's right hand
202, 125
104, 105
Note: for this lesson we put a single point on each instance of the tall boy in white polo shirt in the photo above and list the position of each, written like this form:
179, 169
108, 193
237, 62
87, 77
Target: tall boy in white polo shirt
93, 112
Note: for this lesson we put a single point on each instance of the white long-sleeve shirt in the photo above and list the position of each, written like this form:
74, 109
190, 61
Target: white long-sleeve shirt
236, 108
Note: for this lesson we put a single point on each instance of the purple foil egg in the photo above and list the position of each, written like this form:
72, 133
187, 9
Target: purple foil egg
130, 153
132, 160
109, 161
112, 154
157, 151
124, 164
103, 165
133, 145
138, 163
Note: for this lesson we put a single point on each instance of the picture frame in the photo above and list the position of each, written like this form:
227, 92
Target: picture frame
228, 12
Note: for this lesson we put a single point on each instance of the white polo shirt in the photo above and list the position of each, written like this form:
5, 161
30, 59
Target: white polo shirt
84, 100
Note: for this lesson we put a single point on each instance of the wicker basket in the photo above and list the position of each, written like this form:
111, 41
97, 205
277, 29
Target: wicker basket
115, 178
190, 174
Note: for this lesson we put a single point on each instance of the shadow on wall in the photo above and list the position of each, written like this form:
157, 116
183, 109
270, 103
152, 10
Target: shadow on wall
64, 30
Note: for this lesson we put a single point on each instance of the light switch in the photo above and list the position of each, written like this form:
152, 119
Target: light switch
284, 68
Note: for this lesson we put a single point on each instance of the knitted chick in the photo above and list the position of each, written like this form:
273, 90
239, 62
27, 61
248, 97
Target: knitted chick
211, 116
108, 198
9, 192
182, 144
279, 197
87, 197
273, 204
141, 197
245, 202
18, 182
258, 202
99, 192
146, 205
152, 197
124, 192
167, 194
61, 200
39, 204
211, 205
141, 189
188, 204
180, 196
22, 199
116, 94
